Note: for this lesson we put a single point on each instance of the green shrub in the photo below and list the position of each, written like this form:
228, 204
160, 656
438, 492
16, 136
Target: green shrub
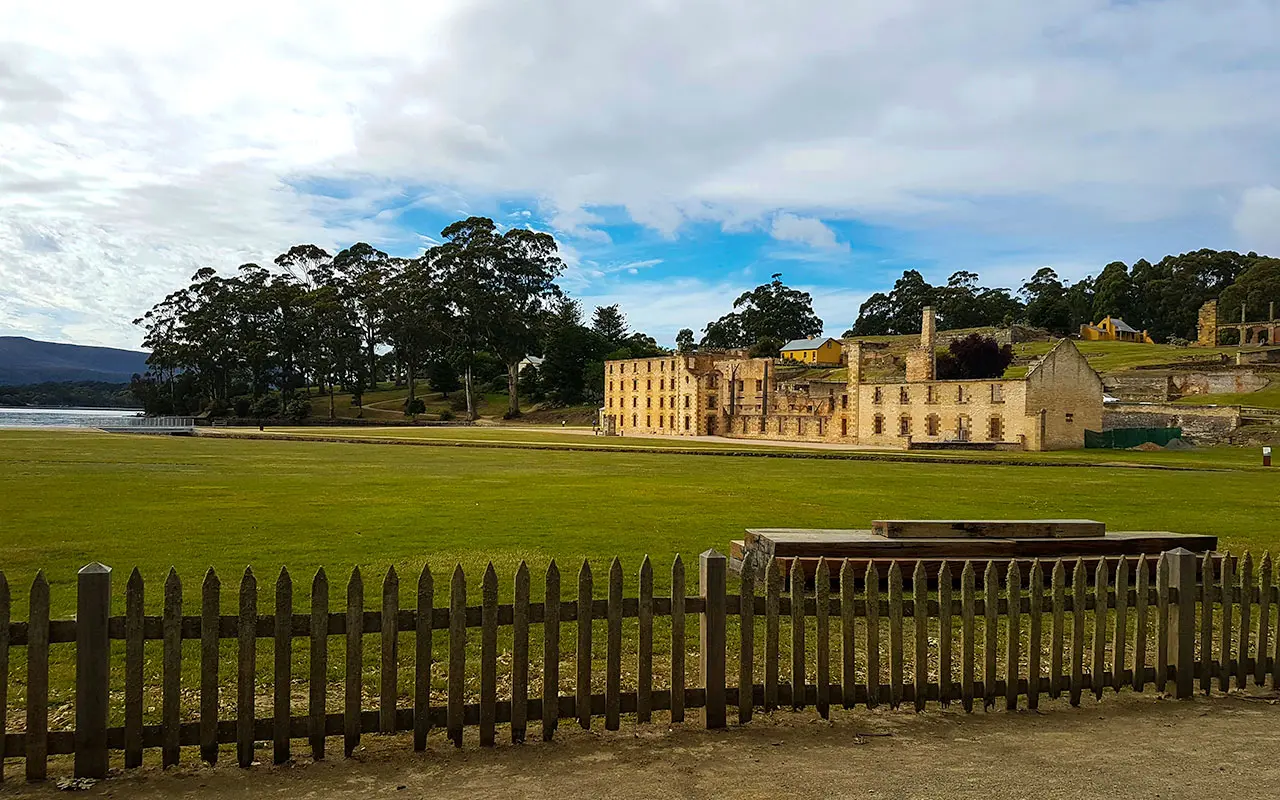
299, 408
266, 406
446, 415
414, 407
241, 404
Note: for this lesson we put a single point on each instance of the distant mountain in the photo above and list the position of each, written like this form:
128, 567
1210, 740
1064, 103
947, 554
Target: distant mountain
25, 361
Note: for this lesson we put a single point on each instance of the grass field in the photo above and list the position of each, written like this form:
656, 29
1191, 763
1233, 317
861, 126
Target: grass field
67, 498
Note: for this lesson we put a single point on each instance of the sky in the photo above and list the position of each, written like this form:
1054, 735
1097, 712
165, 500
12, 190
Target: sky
681, 151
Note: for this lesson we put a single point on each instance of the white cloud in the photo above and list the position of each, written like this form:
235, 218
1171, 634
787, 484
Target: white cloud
1257, 221
805, 230
137, 144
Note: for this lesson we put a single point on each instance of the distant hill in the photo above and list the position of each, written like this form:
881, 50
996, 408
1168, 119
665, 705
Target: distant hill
26, 361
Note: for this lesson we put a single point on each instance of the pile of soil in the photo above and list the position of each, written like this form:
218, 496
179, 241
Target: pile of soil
1179, 444
1148, 447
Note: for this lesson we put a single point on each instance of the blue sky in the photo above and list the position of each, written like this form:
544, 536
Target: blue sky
681, 153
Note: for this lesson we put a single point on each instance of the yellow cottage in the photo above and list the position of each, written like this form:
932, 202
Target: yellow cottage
826, 352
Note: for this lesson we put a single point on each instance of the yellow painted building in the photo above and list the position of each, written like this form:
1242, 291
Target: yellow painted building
814, 351
1113, 329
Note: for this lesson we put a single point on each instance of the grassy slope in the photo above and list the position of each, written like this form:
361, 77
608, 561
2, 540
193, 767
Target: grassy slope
1268, 397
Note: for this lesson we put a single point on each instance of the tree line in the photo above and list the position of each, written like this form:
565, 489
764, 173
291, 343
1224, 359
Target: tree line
1162, 298
468, 312
464, 314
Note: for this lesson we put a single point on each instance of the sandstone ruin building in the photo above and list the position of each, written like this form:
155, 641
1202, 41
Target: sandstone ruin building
728, 393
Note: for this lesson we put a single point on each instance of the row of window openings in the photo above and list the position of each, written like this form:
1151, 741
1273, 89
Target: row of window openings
635, 367
933, 426
648, 402
800, 426
933, 394
662, 383
648, 420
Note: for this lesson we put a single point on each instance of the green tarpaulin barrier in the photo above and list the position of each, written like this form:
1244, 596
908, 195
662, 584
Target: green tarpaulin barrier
1124, 438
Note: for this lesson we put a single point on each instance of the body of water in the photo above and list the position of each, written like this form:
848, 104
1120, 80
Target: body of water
62, 417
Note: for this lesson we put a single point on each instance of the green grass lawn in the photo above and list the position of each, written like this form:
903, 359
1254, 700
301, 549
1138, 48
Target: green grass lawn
68, 498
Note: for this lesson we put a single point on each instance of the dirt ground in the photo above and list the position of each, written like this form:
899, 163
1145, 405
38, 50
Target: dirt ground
1130, 746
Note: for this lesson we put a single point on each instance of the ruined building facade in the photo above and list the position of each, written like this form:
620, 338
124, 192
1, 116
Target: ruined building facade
730, 394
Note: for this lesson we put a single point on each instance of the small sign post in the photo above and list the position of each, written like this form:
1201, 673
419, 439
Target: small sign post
1266, 456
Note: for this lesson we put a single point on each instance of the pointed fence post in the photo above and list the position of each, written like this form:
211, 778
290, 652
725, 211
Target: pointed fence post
93, 669
712, 581
1182, 631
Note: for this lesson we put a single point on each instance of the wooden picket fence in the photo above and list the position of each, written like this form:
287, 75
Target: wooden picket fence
1183, 601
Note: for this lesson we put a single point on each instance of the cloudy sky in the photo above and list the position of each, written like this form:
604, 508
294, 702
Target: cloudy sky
680, 150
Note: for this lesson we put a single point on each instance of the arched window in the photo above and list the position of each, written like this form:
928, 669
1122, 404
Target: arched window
904, 425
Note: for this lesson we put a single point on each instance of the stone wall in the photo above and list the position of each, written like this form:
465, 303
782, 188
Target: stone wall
1200, 424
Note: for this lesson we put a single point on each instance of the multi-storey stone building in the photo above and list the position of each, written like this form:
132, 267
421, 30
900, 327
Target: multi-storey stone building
730, 394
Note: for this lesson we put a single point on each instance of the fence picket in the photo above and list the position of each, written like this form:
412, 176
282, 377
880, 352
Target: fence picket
551, 653
283, 672
1058, 636
613, 650
1245, 595
134, 644
967, 624
247, 661
1260, 646
1140, 626
871, 592
488, 656
171, 629
1101, 580
1121, 638
1275, 658
582, 656
1013, 642
457, 654
319, 663
747, 638
389, 633
38, 680
822, 614
5, 615
422, 635
944, 634
1226, 621
990, 633
895, 635
677, 639
1035, 633
520, 655
772, 603
797, 635
210, 609
920, 627
644, 653
1162, 621
354, 663
1077, 631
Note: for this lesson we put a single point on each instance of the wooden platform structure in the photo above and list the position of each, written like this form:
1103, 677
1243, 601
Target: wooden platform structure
934, 541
